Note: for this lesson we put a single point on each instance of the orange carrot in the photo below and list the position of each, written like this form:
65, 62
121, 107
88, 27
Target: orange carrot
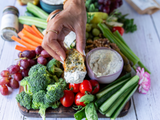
21, 48
34, 38
27, 40
37, 31
20, 34
30, 30
23, 43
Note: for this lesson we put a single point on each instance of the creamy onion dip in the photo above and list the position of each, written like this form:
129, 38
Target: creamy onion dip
104, 62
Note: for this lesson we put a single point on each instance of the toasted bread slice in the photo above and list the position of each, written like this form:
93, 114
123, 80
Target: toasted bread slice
74, 67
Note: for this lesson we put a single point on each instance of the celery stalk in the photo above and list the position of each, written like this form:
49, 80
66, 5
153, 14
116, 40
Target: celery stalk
33, 21
142, 66
118, 110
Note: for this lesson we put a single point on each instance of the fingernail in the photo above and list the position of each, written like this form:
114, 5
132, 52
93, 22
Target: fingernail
62, 58
84, 53
62, 62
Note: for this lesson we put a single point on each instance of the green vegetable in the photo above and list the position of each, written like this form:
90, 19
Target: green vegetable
40, 103
111, 100
79, 115
38, 79
54, 67
89, 18
106, 94
128, 75
87, 98
55, 104
55, 91
118, 110
28, 20
28, 14
24, 100
111, 110
90, 112
37, 11
129, 25
124, 49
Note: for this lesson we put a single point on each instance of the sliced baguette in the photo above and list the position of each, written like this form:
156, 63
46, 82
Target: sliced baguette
74, 61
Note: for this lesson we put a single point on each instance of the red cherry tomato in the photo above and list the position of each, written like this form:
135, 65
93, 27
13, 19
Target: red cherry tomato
85, 86
95, 86
77, 99
75, 87
120, 29
4, 90
68, 98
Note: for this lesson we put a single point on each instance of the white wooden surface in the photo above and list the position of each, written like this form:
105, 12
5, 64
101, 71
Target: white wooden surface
145, 42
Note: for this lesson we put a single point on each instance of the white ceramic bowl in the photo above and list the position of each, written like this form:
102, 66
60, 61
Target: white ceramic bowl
103, 79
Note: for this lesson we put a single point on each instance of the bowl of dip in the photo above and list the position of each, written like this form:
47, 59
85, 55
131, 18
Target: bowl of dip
104, 64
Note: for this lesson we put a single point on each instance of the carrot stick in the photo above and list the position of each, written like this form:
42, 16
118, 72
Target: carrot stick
37, 31
30, 30
27, 40
21, 48
29, 35
20, 34
23, 43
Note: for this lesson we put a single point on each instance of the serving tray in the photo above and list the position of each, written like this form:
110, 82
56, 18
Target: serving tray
63, 112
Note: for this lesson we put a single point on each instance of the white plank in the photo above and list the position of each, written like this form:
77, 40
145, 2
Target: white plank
145, 44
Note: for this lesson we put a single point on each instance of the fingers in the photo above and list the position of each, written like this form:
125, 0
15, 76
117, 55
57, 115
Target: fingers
80, 39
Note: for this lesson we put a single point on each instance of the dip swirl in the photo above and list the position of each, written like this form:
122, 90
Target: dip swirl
104, 62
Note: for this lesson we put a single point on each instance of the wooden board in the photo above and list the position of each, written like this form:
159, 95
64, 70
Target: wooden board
63, 112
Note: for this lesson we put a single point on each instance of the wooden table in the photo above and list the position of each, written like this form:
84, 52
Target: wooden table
145, 42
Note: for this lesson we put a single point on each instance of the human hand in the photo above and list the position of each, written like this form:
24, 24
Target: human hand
72, 18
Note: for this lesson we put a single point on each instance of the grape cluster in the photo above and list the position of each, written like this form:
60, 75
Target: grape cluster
15, 73
109, 6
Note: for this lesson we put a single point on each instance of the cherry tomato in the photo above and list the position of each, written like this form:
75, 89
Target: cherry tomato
85, 86
95, 86
75, 87
68, 98
4, 90
77, 99
120, 29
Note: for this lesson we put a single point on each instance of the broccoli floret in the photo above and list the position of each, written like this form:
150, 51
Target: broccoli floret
24, 100
26, 85
36, 68
38, 102
56, 104
54, 67
38, 80
54, 92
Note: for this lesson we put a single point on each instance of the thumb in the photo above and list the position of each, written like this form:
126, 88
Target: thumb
81, 40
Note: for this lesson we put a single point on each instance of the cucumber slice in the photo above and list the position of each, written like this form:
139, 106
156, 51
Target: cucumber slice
104, 107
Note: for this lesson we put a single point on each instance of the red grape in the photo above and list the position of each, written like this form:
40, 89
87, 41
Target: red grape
26, 54
18, 76
50, 58
45, 54
4, 90
42, 60
14, 84
20, 55
115, 5
100, 1
25, 72
38, 50
25, 63
120, 3
100, 8
33, 54
4, 80
106, 9
32, 62
13, 69
5, 73
107, 2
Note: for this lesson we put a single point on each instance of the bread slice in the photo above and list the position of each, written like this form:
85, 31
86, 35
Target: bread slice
74, 67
